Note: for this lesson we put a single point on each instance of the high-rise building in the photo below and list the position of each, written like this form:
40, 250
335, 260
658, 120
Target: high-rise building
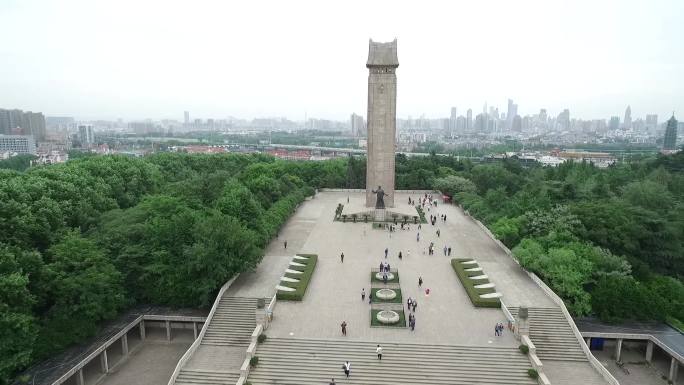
23, 123
517, 123
670, 142
563, 120
511, 114
651, 123
86, 135
614, 123
186, 118
627, 123
358, 125
452, 121
20, 144
469, 120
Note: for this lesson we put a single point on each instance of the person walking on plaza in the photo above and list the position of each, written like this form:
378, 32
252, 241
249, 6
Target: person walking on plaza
386, 252
408, 253
438, 233
342, 257
344, 328
378, 350
408, 303
285, 244
414, 303
347, 369
400, 255
420, 281
418, 237
363, 294
449, 251
445, 250
370, 297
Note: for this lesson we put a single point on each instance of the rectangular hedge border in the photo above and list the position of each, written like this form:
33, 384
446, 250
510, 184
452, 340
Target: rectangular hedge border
304, 278
376, 323
421, 213
397, 299
469, 284
393, 280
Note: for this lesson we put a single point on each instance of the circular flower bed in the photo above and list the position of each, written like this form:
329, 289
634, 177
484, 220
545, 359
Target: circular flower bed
388, 317
386, 294
390, 276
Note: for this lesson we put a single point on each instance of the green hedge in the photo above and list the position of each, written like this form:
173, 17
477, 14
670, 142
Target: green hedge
304, 278
397, 299
469, 284
421, 213
393, 280
400, 324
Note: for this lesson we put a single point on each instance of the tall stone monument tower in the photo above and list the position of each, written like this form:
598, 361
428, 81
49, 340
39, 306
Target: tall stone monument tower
382, 120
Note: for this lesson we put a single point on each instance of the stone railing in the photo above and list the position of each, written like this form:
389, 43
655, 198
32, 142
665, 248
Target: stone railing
269, 311
251, 352
198, 340
509, 316
98, 351
555, 298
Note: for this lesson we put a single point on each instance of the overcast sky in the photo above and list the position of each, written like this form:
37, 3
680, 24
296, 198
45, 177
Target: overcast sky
154, 59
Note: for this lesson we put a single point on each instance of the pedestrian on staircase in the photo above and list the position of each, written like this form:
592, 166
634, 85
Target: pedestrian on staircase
347, 368
344, 328
342, 257
378, 350
332, 382
363, 294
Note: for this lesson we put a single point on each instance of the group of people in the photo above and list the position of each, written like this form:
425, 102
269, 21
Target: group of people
498, 329
433, 218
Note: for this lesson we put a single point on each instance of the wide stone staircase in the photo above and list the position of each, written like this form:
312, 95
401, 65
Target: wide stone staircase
559, 350
552, 335
222, 350
293, 361
233, 322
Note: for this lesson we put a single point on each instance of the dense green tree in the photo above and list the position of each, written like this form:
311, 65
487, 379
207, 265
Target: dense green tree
452, 184
82, 288
19, 162
18, 327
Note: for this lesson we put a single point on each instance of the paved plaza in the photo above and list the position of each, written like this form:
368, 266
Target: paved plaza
446, 316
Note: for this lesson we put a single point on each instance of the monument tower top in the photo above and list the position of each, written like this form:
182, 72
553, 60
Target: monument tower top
382, 54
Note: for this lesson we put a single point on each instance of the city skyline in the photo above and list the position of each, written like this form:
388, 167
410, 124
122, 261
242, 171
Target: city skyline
102, 61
